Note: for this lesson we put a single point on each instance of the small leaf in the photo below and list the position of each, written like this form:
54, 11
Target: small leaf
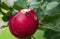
51, 5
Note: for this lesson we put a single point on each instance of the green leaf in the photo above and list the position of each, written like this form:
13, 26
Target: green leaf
48, 19
4, 6
55, 25
51, 5
52, 22
5, 18
53, 11
17, 7
39, 13
33, 4
21, 3
9, 13
43, 6
39, 34
50, 34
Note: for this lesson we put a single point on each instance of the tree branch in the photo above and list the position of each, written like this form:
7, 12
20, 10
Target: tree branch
3, 27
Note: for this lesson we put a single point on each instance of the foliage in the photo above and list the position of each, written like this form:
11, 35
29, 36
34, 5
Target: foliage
48, 12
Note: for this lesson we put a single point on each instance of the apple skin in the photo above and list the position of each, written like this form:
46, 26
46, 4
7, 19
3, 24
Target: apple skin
23, 25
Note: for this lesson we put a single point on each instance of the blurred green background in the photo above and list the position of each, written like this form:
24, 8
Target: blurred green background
48, 12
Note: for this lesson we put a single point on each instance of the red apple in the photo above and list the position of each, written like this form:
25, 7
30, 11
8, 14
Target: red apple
24, 23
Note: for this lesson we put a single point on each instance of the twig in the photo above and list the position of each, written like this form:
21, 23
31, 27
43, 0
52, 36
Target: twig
3, 27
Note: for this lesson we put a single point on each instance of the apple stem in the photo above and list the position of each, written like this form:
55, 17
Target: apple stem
29, 37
